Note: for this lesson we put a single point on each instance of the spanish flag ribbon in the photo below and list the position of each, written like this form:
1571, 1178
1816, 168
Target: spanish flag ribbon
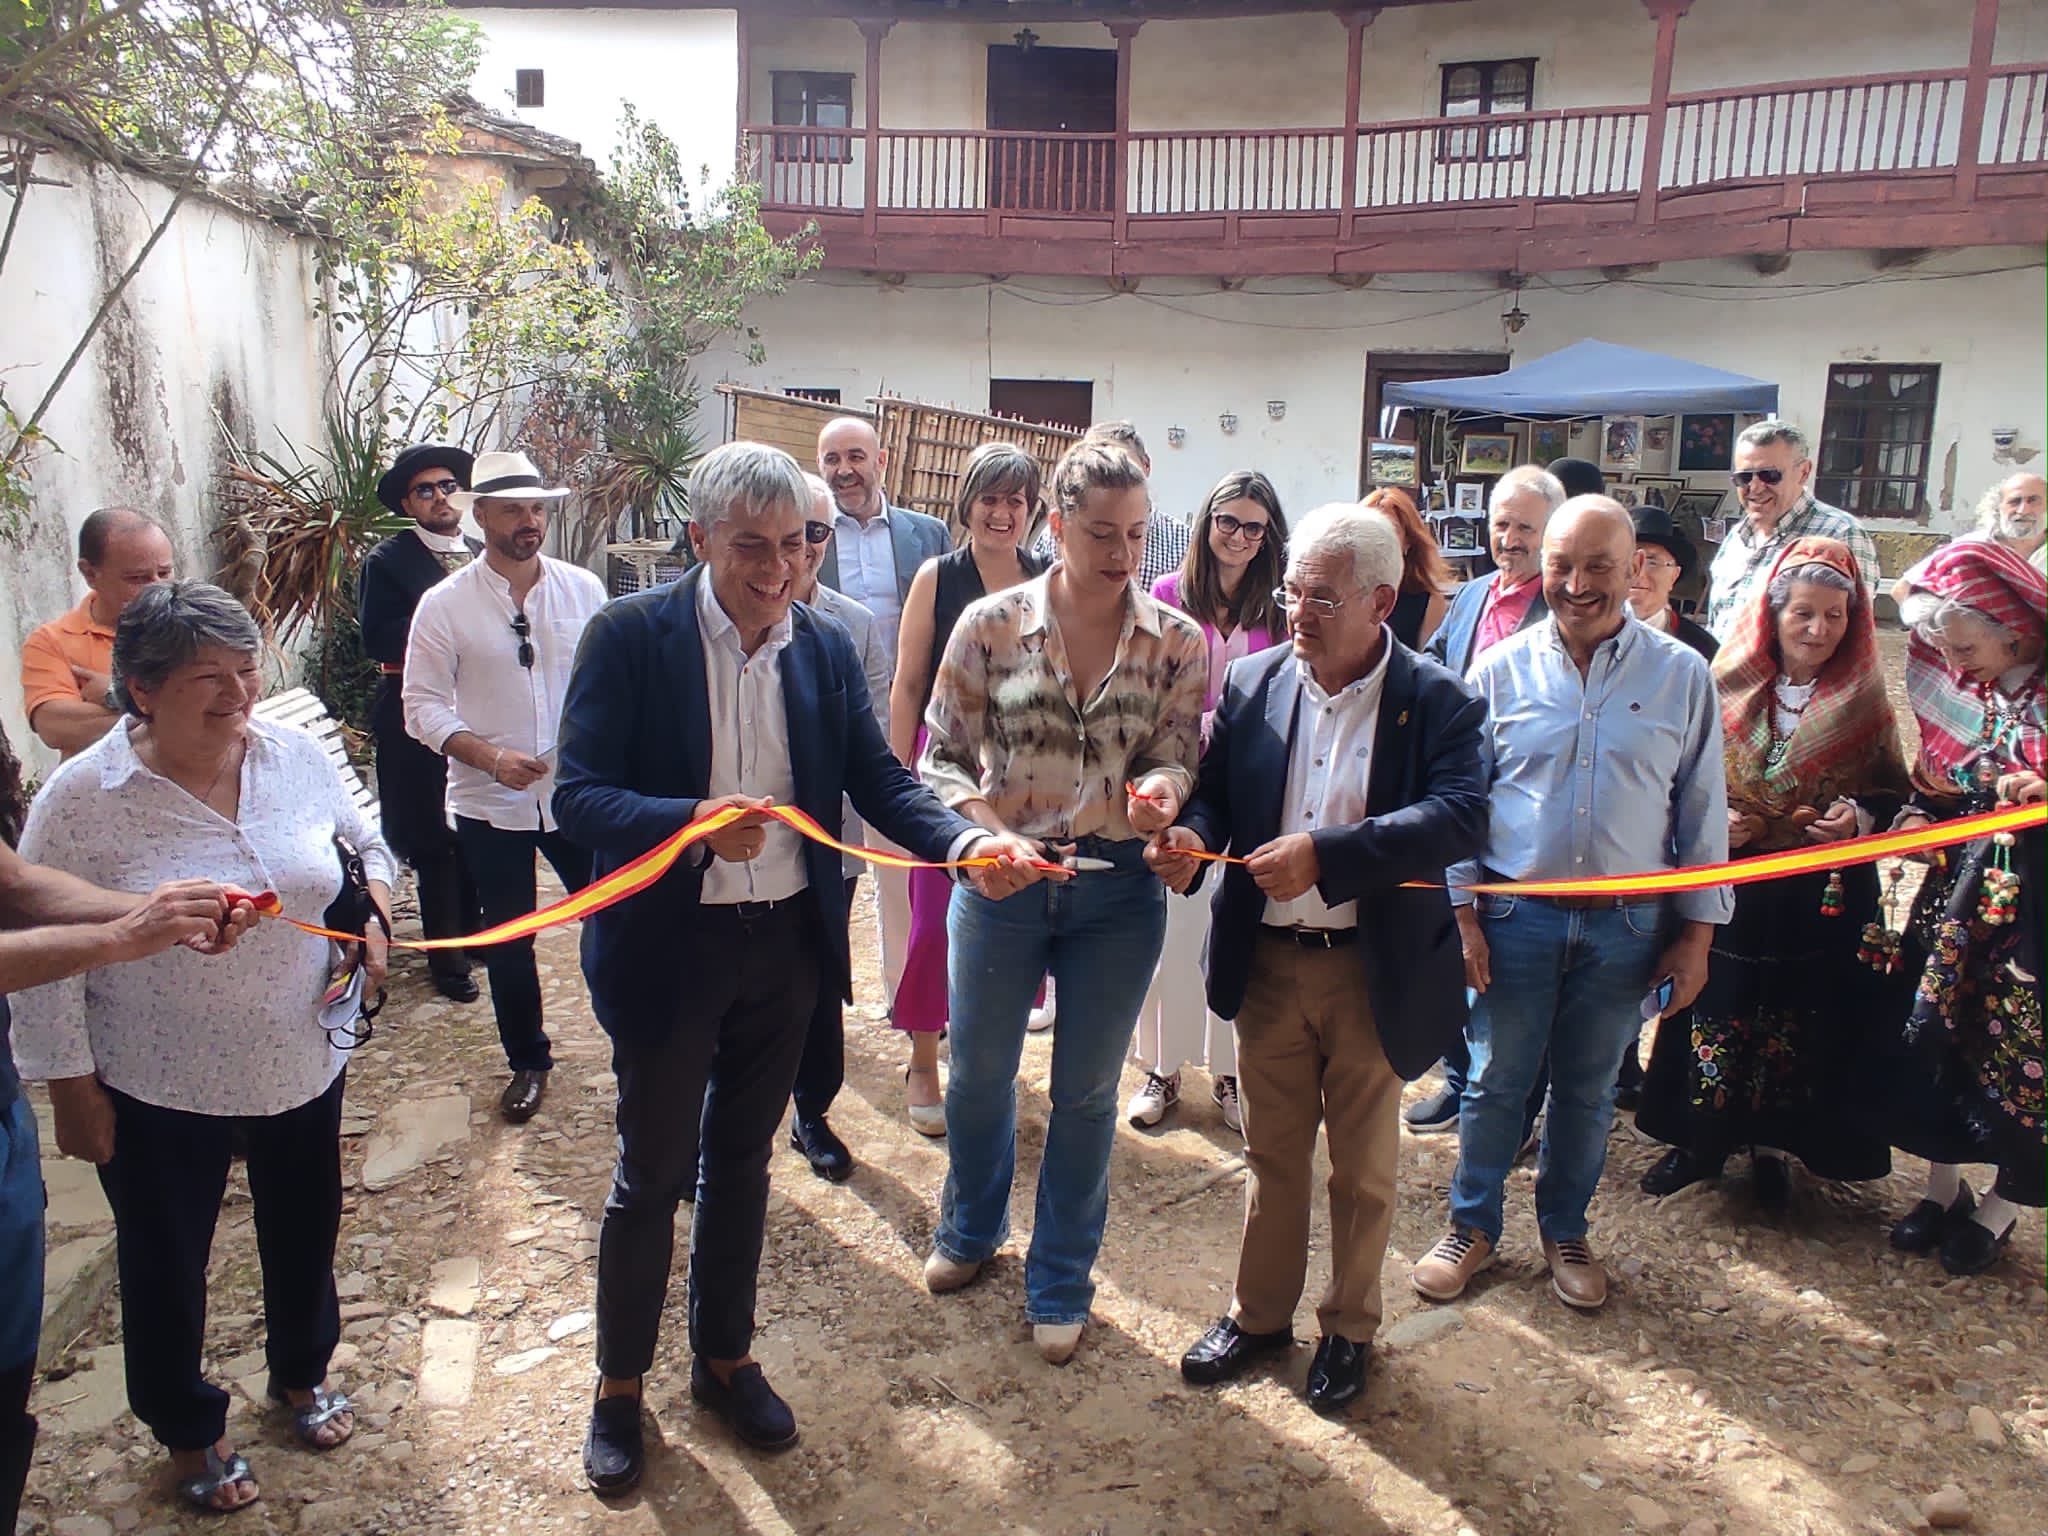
632, 878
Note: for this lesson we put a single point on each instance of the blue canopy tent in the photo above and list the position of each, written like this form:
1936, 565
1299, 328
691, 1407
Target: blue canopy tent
1593, 378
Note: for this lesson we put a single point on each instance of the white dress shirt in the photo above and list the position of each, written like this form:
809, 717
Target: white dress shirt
1327, 774
462, 673
749, 753
232, 1034
867, 572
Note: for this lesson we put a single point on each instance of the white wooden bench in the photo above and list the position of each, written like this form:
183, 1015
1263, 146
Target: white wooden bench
302, 707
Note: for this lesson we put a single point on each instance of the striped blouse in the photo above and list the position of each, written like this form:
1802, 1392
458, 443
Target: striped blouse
1005, 726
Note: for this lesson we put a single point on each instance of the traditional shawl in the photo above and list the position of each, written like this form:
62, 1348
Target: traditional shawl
1847, 742
2007, 590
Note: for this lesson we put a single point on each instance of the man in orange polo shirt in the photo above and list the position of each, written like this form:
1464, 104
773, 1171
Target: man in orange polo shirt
66, 664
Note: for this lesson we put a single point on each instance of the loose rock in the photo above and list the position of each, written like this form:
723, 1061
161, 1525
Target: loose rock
1947, 1508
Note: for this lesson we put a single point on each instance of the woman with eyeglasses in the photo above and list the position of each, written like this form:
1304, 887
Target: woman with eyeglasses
996, 507
1237, 551
1426, 578
1811, 746
1964, 1080
160, 1067
1067, 710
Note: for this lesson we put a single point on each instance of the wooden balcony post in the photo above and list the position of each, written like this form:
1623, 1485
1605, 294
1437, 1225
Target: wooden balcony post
1665, 13
872, 31
1125, 33
1976, 94
1355, 23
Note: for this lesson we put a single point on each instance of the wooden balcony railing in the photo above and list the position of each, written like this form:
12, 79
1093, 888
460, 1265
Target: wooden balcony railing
1880, 126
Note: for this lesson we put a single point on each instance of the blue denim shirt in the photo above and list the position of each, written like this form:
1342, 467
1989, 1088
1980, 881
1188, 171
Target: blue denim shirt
1611, 774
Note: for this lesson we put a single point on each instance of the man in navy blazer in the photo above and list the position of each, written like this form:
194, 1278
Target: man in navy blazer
718, 690
1339, 768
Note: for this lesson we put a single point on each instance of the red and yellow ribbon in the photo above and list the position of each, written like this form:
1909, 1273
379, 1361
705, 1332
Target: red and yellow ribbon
634, 877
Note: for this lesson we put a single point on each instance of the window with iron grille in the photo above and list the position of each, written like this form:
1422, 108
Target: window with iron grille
530, 87
1487, 88
1876, 435
809, 98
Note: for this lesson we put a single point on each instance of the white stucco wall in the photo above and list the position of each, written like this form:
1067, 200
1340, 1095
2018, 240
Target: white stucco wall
1184, 353
678, 67
218, 323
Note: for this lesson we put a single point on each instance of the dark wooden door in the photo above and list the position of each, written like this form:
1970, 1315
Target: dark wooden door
1384, 368
1052, 91
1048, 402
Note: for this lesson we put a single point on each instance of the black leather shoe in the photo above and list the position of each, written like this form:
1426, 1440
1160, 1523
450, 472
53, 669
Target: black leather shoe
456, 986
1922, 1229
824, 1151
1971, 1247
1773, 1182
1675, 1170
613, 1455
1336, 1377
1226, 1350
748, 1404
522, 1096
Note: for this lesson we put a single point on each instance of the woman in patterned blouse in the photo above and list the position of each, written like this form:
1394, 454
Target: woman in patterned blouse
1068, 710
158, 1067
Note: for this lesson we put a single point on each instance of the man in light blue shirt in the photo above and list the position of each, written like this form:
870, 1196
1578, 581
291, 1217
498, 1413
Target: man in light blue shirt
1603, 755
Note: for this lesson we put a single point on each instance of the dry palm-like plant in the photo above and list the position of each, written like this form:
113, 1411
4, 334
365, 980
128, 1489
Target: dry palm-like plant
294, 535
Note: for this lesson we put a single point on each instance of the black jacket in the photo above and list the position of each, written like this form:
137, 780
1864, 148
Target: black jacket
1426, 808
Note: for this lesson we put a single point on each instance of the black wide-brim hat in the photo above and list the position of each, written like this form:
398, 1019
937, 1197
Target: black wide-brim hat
392, 483
1654, 526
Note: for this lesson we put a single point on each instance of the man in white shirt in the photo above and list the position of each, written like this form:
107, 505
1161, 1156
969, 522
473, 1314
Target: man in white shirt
486, 670
1338, 773
875, 551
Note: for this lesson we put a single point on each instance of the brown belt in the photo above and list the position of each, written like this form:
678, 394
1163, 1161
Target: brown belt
1568, 903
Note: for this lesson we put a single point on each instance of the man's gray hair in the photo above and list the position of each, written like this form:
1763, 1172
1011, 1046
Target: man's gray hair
745, 477
1525, 479
1366, 534
1771, 430
165, 626
1779, 592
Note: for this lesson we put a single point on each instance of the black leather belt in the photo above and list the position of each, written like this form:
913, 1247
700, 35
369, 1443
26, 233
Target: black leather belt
753, 911
1312, 938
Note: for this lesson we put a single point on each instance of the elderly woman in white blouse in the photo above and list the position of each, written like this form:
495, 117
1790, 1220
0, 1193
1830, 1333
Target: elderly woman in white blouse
155, 1067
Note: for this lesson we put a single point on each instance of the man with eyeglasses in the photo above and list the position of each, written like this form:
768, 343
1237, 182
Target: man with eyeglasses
1339, 769
1772, 477
486, 671
412, 782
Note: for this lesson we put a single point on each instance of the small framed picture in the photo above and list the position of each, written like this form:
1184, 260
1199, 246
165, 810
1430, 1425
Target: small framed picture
1714, 529
1659, 490
1656, 438
1461, 536
1549, 441
1390, 463
1706, 443
1621, 445
1625, 493
1488, 453
1468, 495
1704, 505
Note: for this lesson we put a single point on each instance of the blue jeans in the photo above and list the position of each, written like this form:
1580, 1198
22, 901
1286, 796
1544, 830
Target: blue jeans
1098, 936
1570, 983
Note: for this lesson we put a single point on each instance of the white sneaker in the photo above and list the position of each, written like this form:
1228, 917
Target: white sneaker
1225, 1094
925, 1119
942, 1274
1041, 1018
1057, 1341
1150, 1103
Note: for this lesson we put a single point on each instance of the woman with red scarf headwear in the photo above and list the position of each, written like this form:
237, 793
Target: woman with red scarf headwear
1969, 1087
1812, 751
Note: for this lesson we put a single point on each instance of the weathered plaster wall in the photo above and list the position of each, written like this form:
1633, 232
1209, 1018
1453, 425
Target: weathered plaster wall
217, 327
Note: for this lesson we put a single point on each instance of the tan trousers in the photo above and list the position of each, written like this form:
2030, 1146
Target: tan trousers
1307, 1054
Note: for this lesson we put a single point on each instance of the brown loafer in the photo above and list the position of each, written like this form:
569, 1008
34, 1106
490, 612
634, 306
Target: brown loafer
1576, 1277
1445, 1271
522, 1096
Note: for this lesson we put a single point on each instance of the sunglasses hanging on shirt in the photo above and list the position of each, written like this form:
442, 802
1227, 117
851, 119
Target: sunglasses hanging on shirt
525, 633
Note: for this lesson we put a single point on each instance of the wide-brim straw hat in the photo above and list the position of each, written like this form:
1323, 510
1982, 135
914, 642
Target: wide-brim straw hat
508, 477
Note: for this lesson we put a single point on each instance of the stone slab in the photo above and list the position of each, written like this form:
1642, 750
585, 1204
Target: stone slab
412, 1134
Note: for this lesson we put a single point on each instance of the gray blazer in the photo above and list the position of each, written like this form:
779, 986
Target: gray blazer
874, 663
915, 537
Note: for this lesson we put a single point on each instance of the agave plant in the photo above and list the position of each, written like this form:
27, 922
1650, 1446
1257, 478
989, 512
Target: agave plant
648, 475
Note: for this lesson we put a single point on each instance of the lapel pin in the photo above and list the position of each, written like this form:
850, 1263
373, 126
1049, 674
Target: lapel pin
1402, 718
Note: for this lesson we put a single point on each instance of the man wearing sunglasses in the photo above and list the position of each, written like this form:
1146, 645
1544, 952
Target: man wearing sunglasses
412, 782
1772, 478
486, 670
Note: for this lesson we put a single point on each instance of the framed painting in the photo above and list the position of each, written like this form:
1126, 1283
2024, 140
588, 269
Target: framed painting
1705, 443
1487, 453
1621, 445
1391, 463
1549, 441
